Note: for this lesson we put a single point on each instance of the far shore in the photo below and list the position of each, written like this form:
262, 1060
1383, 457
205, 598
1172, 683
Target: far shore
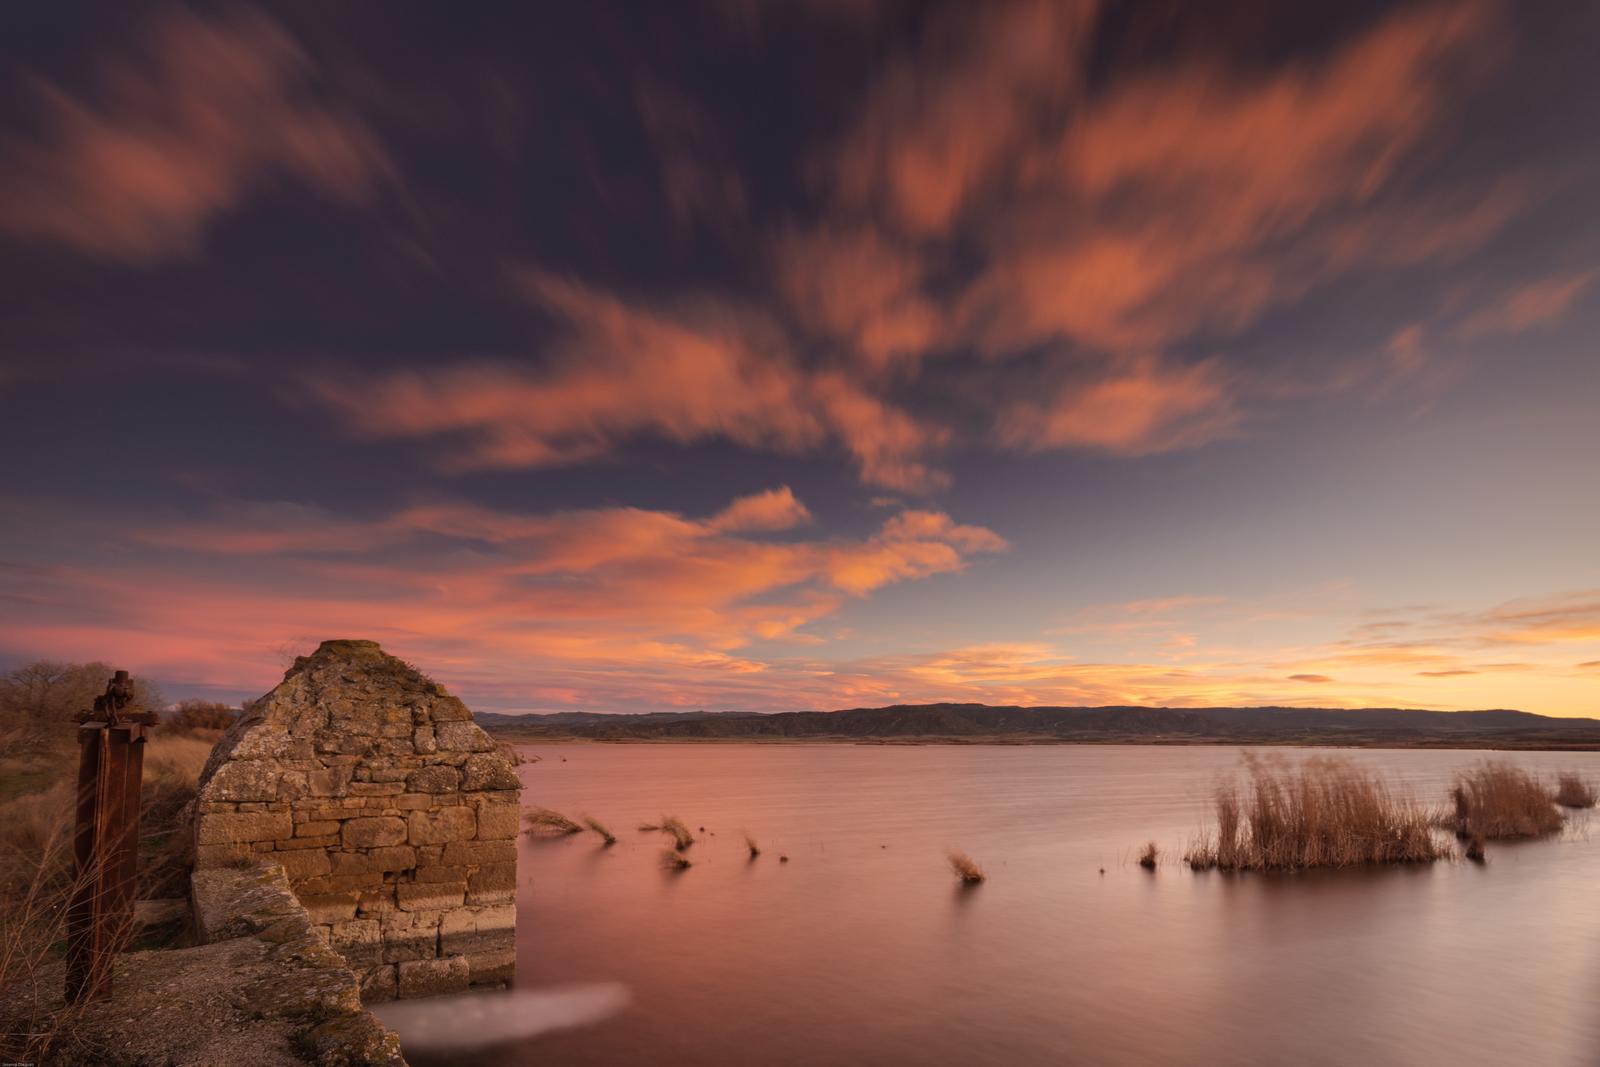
1524, 744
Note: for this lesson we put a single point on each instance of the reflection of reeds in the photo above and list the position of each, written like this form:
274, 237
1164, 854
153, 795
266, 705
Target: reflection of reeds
545, 821
673, 827
966, 867
1573, 792
1498, 800
600, 828
673, 860
750, 843
1147, 858
1321, 813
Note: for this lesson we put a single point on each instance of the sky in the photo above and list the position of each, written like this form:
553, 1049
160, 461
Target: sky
773, 355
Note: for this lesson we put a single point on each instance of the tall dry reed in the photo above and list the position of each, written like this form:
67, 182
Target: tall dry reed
1574, 791
1320, 813
1497, 800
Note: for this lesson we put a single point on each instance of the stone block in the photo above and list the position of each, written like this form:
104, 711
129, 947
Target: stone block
245, 780
425, 978
359, 941
480, 852
430, 896
492, 967
328, 782
330, 907
488, 770
376, 789
375, 902
413, 801
317, 828
448, 709
380, 984
223, 828
498, 822
302, 864
493, 884
435, 778
461, 737
375, 831
207, 856
331, 841
439, 827
443, 873
422, 741
410, 935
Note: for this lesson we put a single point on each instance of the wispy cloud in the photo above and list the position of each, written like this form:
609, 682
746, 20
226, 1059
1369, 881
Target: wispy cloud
210, 111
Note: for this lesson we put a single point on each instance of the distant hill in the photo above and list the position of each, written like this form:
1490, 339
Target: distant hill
983, 723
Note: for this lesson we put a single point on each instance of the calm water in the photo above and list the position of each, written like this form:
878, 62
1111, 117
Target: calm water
862, 950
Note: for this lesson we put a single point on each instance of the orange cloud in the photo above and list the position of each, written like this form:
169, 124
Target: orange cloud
946, 121
856, 285
212, 112
1142, 408
1525, 307
671, 603
1317, 678
622, 371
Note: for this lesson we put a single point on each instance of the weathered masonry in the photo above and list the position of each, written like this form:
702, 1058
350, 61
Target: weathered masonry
393, 814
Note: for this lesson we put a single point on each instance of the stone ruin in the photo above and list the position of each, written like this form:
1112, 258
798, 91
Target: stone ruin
393, 814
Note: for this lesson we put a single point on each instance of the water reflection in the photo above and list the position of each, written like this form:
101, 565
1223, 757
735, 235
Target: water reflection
856, 953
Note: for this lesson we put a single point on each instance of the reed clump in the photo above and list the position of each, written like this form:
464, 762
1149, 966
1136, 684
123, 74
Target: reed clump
750, 843
600, 828
1148, 858
673, 860
1497, 800
1320, 813
673, 827
966, 868
1572, 791
544, 822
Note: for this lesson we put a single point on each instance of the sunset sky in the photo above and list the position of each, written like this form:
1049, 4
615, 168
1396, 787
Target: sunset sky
781, 355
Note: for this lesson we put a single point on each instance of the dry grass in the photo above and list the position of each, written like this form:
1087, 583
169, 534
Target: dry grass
1148, 858
600, 828
1321, 813
966, 867
1572, 791
1497, 800
673, 827
547, 823
1474, 849
673, 860
750, 843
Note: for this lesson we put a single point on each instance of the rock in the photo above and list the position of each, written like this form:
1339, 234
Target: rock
421, 978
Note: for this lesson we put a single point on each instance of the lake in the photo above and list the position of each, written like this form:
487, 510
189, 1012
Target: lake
863, 949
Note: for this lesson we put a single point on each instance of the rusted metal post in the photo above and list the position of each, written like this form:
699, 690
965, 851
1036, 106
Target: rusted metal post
105, 837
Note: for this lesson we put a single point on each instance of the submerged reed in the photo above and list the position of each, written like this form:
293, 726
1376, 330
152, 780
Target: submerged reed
1572, 791
1320, 813
673, 860
1497, 800
600, 828
750, 843
673, 827
966, 868
1147, 858
545, 821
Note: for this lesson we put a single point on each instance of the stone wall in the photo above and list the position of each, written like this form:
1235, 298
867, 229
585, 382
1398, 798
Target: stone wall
393, 815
